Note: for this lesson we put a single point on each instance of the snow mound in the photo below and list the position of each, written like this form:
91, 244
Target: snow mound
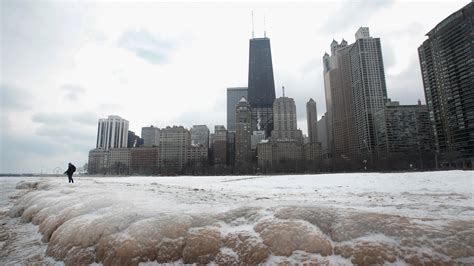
128, 222
26, 185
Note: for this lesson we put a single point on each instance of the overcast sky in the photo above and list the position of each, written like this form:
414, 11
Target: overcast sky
66, 64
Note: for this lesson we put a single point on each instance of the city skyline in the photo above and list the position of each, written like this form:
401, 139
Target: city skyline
94, 80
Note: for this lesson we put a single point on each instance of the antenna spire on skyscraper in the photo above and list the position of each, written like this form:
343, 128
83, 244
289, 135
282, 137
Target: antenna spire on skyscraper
283, 89
253, 35
264, 27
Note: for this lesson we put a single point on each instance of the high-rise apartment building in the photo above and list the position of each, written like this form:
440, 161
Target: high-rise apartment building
233, 97
312, 118
447, 63
197, 155
174, 142
341, 139
151, 136
261, 85
403, 129
219, 145
200, 135
112, 132
243, 132
368, 86
355, 89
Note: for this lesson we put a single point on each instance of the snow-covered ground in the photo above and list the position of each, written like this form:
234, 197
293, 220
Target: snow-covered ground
363, 218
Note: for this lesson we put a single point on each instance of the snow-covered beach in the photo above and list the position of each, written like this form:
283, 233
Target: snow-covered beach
362, 218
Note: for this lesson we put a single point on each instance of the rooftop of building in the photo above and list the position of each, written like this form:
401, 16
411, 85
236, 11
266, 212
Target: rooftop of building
243, 100
113, 117
449, 19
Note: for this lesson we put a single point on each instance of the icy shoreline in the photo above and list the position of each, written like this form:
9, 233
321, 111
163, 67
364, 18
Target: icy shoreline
326, 219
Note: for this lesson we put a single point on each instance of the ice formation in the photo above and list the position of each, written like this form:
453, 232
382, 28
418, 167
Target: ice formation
416, 218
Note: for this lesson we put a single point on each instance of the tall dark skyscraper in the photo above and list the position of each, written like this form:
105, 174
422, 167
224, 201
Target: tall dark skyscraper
261, 85
447, 63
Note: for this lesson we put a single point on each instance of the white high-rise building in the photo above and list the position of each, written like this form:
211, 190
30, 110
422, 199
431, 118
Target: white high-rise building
151, 136
112, 133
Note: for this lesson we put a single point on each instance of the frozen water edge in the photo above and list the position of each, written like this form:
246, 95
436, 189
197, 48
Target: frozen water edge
20, 243
336, 219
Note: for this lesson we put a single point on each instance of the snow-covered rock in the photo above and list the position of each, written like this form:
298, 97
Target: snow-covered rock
415, 218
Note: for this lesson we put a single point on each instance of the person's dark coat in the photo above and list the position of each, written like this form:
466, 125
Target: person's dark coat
70, 170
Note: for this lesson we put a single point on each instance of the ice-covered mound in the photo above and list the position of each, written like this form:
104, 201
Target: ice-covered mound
125, 221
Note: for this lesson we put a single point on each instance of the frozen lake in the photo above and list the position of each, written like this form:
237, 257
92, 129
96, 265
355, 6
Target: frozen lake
363, 218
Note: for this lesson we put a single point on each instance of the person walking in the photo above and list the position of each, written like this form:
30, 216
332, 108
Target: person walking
70, 171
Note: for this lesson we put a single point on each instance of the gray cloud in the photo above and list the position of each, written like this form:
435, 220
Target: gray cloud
61, 132
26, 152
110, 107
49, 118
74, 129
31, 144
217, 115
312, 66
14, 98
83, 118
37, 34
407, 87
58, 139
33, 153
353, 13
146, 46
412, 29
388, 54
72, 92
389, 48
